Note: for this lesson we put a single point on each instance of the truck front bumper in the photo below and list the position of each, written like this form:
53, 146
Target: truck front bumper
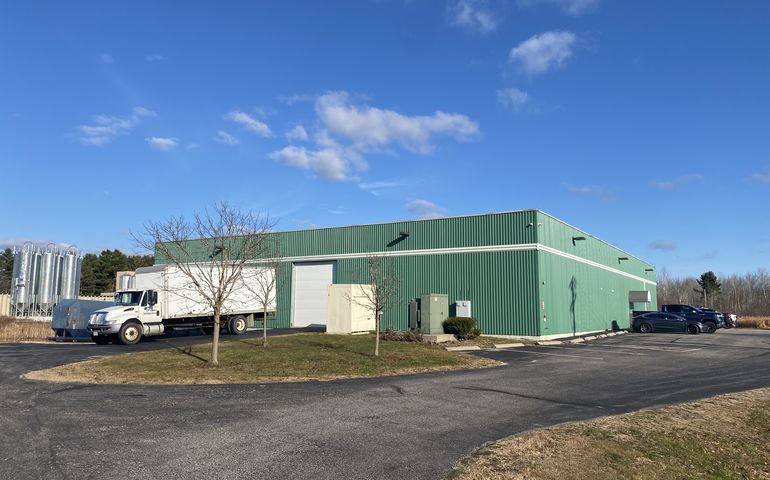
99, 330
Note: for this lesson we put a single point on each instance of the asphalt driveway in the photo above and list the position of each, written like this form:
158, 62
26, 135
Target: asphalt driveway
405, 427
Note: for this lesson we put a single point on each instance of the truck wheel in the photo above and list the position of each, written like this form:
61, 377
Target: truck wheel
237, 325
711, 327
645, 328
130, 333
692, 329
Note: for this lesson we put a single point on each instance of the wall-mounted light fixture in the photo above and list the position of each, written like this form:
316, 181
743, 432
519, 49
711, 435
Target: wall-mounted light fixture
403, 234
577, 239
620, 259
649, 269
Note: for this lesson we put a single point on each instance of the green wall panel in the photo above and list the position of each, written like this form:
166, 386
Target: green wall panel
502, 287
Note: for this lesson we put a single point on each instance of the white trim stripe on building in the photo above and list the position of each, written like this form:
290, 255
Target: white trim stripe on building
476, 249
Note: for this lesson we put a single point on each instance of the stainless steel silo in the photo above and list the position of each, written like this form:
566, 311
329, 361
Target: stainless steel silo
21, 273
56, 286
33, 290
70, 276
46, 282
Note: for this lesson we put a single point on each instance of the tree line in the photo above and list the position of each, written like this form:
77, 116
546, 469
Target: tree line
742, 294
98, 271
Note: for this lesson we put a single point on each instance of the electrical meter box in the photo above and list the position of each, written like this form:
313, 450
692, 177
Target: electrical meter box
434, 309
463, 308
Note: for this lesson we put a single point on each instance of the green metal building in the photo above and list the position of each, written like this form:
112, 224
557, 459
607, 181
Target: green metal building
526, 273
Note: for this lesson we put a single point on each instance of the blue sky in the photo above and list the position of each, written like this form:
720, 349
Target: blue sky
646, 124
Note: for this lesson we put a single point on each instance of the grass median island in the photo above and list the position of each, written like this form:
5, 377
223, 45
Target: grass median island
727, 436
287, 358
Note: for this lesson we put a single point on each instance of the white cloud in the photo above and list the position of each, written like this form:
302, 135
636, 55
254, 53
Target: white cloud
249, 123
163, 144
543, 52
472, 15
346, 131
106, 128
590, 191
155, 57
677, 182
570, 7
513, 98
192, 146
327, 163
666, 245
297, 133
425, 209
368, 127
375, 188
106, 59
761, 177
296, 98
226, 138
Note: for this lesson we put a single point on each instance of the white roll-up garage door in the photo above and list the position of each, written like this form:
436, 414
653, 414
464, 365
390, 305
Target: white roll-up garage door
309, 293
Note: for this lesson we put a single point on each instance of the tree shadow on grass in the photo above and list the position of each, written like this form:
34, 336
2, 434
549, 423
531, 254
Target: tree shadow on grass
187, 350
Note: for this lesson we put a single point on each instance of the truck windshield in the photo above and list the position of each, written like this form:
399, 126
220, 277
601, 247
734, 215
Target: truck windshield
128, 298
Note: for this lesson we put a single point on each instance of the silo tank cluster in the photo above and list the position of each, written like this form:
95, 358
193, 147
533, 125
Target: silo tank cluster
42, 277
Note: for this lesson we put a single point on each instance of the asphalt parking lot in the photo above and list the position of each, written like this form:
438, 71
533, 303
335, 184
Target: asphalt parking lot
406, 427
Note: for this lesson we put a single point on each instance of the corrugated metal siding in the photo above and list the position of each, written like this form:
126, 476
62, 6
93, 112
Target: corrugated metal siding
494, 229
580, 298
557, 234
502, 287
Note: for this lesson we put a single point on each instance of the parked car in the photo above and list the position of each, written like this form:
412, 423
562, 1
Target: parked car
667, 322
713, 320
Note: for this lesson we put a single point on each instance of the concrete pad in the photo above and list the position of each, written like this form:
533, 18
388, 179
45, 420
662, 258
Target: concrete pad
438, 338
589, 338
622, 332
577, 340
509, 345
463, 349
611, 334
550, 342
601, 335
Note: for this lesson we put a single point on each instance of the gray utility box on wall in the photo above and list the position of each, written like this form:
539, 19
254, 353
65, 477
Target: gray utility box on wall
434, 309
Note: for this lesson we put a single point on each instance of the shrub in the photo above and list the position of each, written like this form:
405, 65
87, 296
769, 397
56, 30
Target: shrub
398, 336
464, 328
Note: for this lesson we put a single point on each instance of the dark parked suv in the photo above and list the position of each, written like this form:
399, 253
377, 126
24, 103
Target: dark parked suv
712, 320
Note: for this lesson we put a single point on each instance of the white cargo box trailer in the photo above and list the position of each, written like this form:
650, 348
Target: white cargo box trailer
164, 297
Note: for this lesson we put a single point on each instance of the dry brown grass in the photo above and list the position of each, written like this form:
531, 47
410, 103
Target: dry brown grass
727, 436
17, 330
754, 322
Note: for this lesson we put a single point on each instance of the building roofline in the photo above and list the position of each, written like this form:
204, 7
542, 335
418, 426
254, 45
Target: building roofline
409, 221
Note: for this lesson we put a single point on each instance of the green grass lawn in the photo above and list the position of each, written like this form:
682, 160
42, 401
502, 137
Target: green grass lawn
287, 358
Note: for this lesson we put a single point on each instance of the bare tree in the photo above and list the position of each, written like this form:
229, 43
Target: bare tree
225, 239
381, 293
265, 287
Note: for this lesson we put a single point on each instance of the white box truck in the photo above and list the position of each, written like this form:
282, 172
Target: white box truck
164, 298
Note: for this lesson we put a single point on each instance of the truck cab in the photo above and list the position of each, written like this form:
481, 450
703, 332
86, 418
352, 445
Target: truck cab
139, 308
